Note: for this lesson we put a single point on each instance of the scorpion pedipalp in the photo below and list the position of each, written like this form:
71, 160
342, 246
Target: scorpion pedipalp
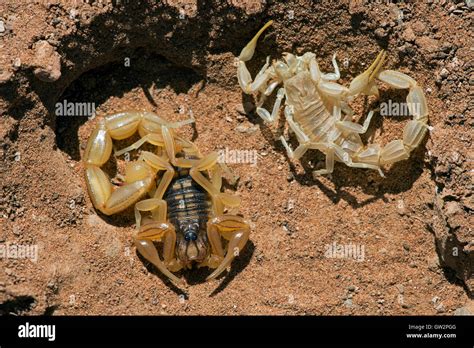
234, 229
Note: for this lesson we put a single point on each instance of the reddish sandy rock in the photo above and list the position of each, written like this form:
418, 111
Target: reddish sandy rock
47, 62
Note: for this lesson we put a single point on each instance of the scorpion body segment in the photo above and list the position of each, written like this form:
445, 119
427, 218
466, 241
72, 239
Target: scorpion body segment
185, 206
317, 111
188, 210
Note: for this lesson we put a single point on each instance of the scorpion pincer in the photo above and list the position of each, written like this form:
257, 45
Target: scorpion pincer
185, 208
315, 104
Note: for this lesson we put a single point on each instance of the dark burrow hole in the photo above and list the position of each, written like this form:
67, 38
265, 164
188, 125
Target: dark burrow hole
140, 69
18, 305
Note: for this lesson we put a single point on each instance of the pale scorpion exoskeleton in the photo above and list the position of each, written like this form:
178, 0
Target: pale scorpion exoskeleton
186, 208
314, 105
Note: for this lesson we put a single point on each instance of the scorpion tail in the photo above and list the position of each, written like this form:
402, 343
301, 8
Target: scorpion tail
414, 131
247, 53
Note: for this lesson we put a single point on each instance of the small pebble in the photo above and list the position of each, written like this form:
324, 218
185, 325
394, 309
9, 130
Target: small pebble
73, 13
433, 264
409, 35
240, 109
17, 63
47, 62
440, 308
2, 27
452, 208
380, 33
351, 288
444, 73
245, 129
290, 205
5, 76
348, 303
401, 207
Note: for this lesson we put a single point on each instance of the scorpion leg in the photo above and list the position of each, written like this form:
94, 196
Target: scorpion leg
365, 165
232, 228
216, 179
159, 231
171, 149
152, 138
158, 208
265, 115
159, 164
330, 89
329, 152
336, 75
349, 126
299, 151
346, 158
364, 83
301, 136
208, 163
